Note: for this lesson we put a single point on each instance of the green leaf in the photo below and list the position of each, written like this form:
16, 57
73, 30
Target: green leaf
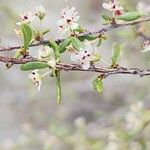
98, 84
87, 37
77, 44
106, 17
106, 22
34, 65
130, 16
64, 44
99, 42
27, 35
55, 47
116, 53
79, 29
58, 86
46, 31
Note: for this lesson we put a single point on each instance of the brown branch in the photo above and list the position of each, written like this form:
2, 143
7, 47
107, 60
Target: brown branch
76, 67
142, 35
97, 32
16, 60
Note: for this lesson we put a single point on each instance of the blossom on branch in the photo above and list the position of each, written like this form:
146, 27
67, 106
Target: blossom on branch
85, 55
26, 17
114, 7
146, 46
68, 20
36, 78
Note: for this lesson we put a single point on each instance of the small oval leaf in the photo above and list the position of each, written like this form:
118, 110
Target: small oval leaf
27, 35
106, 17
55, 47
64, 44
76, 43
98, 84
99, 42
46, 31
130, 16
87, 37
58, 86
34, 65
116, 53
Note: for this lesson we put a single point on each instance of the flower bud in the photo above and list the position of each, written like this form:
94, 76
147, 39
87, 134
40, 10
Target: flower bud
40, 12
45, 52
52, 63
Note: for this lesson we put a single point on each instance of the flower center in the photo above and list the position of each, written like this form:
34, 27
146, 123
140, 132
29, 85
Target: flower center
68, 20
25, 17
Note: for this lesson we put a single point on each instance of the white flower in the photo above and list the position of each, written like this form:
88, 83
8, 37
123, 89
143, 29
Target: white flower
36, 78
146, 46
143, 8
40, 12
113, 7
134, 117
26, 17
68, 20
18, 32
85, 56
45, 52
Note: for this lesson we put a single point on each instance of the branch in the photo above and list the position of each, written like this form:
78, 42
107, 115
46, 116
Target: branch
142, 35
76, 67
97, 32
16, 60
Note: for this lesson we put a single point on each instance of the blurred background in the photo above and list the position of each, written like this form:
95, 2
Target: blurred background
31, 120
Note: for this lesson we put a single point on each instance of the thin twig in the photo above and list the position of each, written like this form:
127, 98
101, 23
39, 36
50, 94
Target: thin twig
77, 67
97, 32
142, 35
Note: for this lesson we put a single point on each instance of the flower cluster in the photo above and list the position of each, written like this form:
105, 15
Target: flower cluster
82, 45
28, 17
45, 54
114, 7
68, 20
85, 55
